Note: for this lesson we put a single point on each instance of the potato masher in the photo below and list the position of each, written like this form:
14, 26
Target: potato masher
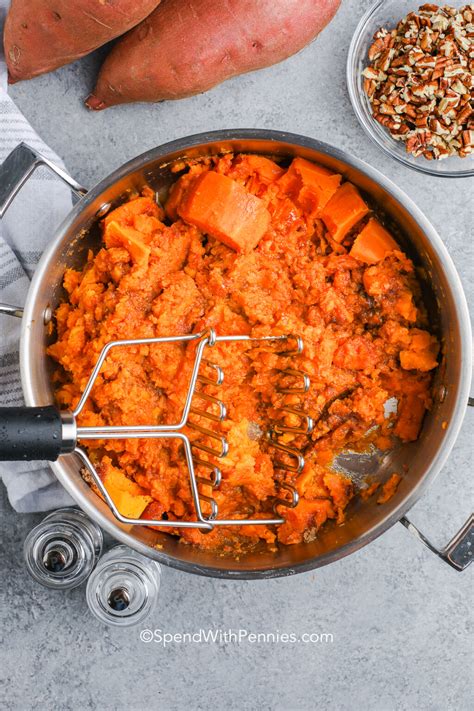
30, 433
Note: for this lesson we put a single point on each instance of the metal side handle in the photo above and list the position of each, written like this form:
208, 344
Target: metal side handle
14, 172
10, 310
19, 166
460, 550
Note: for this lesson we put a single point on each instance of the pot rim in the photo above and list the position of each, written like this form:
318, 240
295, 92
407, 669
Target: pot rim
454, 425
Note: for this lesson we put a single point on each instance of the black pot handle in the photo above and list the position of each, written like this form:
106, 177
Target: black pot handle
35, 433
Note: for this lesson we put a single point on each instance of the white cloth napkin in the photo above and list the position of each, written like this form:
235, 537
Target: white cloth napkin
24, 233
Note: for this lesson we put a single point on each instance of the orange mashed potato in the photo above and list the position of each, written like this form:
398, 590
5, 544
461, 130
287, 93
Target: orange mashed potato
245, 246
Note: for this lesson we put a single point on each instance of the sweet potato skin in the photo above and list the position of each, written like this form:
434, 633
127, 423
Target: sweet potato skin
185, 48
42, 35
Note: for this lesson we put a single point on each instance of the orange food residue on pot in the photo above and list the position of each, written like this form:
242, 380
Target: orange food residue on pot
389, 489
365, 494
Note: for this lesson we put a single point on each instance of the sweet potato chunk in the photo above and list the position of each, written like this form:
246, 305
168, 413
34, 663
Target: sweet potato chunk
405, 306
343, 211
421, 353
373, 243
130, 499
133, 241
131, 505
268, 171
310, 185
220, 207
125, 214
388, 283
306, 516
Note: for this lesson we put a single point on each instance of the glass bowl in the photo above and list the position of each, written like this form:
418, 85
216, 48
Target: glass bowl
387, 13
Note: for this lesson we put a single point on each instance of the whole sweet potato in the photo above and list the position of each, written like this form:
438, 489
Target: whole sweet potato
188, 46
42, 35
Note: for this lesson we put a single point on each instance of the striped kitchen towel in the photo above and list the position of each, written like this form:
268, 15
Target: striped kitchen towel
24, 233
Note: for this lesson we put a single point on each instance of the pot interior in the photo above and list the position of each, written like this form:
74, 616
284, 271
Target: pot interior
418, 461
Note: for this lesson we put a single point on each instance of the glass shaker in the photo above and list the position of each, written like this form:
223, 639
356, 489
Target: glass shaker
123, 589
63, 549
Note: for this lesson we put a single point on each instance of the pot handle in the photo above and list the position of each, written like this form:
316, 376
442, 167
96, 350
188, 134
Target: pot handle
460, 550
10, 310
19, 166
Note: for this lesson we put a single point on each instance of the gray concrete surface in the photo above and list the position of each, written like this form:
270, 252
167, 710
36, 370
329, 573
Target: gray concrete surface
401, 619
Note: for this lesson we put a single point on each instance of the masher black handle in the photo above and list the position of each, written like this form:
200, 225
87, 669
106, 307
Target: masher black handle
29, 433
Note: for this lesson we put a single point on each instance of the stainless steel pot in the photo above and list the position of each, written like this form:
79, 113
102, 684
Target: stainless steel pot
443, 292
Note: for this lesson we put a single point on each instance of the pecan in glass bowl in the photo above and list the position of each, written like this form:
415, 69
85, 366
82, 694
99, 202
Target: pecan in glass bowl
410, 131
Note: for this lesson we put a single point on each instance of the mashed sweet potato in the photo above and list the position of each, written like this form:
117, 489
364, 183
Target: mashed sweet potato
246, 246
